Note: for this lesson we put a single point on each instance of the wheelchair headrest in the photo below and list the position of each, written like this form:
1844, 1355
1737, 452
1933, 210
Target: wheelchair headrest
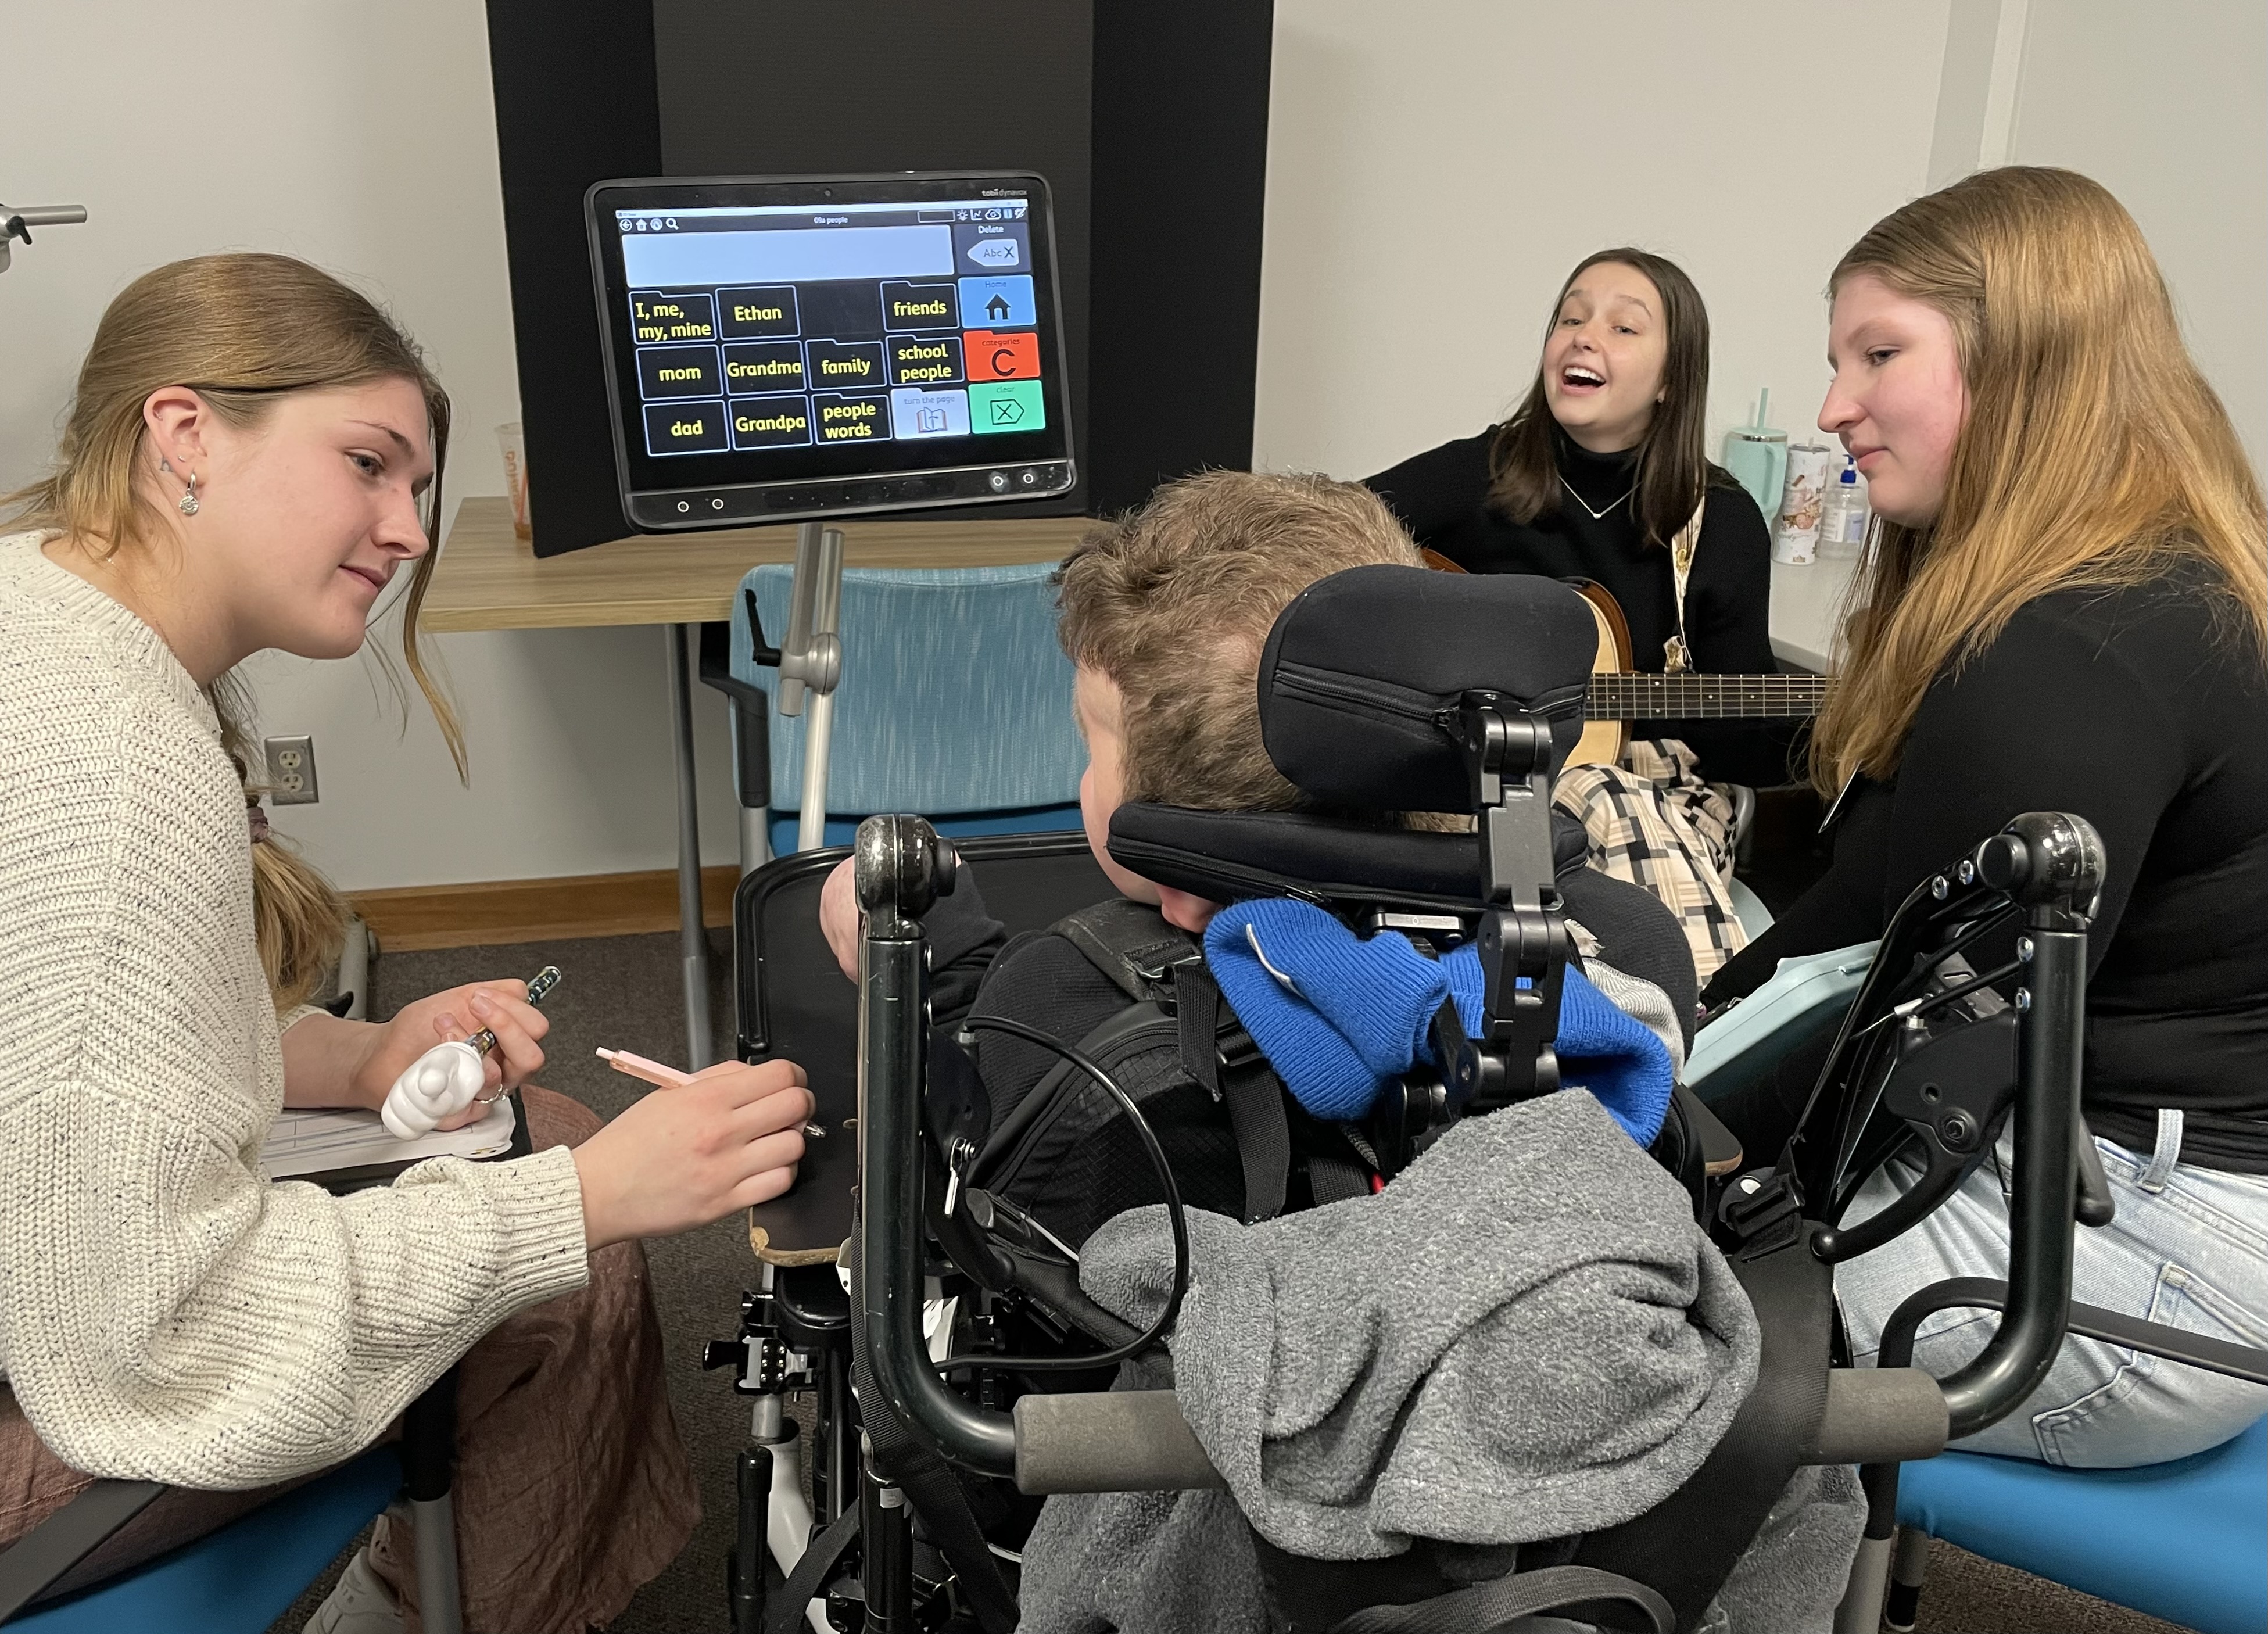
1228, 856
1362, 668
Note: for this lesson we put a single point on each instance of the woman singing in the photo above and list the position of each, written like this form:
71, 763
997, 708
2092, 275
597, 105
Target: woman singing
1600, 474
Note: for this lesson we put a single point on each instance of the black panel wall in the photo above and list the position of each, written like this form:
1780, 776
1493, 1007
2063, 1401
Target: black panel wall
1181, 114
1148, 117
761, 87
575, 104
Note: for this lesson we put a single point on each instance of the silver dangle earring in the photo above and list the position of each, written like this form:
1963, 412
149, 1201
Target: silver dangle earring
188, 506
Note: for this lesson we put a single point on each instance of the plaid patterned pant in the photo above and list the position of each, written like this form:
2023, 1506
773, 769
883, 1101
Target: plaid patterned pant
1652, 820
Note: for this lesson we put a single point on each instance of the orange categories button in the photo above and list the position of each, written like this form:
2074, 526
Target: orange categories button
1001, 355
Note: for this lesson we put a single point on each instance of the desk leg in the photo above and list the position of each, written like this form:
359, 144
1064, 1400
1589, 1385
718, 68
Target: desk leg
693, 939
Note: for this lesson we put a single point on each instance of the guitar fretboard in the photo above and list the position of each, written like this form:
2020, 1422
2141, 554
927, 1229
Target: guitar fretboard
1685, 697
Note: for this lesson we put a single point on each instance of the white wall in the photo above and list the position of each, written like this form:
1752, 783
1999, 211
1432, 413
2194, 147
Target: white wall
1434, 170
362, 138
2167, 105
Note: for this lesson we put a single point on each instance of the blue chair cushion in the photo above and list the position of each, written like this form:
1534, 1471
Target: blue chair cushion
954, 696
242, 1577
2185, 1541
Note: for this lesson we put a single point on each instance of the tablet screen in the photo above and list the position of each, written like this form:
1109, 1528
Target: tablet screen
779, 349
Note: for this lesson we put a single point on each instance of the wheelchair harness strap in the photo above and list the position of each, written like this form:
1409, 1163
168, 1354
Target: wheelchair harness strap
1487, 1607
1157, 964
1254, 1099
814, 1568
930, 1484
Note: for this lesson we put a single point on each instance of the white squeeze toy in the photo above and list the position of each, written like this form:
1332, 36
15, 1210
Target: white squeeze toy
446, 1078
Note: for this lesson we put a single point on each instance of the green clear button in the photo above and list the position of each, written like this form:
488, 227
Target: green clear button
1006, 405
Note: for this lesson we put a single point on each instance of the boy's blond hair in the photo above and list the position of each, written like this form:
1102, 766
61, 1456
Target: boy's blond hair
1173, 603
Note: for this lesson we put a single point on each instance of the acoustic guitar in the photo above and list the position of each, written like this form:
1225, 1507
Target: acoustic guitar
1621, 695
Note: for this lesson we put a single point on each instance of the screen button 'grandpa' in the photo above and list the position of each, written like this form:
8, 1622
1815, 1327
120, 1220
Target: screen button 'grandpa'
770, 422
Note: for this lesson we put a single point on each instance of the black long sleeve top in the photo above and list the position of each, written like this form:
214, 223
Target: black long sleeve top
1441, 495
2144, 712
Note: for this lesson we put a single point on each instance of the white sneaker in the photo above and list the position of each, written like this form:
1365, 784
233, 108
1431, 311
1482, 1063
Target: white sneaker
358, 1603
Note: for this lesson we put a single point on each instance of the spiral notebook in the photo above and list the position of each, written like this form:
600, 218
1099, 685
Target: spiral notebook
304, 1142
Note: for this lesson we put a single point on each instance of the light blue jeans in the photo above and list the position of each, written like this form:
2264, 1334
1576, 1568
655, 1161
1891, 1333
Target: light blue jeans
2189, 1248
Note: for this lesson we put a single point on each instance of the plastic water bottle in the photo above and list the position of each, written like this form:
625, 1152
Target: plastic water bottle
1844, 512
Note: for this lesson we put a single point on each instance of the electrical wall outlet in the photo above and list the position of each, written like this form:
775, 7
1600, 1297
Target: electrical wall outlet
292, 771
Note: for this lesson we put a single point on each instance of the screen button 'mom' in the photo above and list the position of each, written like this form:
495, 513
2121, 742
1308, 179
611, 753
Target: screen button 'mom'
678, 371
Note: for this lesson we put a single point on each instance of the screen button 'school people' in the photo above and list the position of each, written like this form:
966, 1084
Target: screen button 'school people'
1599, 473
252, 456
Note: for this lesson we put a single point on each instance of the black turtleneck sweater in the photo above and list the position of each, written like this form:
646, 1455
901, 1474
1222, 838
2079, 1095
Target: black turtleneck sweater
2145, 711
1441, 495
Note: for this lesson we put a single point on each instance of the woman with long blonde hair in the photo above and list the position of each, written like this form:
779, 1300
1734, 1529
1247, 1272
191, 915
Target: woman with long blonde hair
2066, 609
252, 453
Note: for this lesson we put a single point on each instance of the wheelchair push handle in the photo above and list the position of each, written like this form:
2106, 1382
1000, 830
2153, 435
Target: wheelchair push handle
2049, 865
900, 867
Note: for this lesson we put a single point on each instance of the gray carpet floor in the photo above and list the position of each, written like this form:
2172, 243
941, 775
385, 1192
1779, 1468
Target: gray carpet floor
622, 992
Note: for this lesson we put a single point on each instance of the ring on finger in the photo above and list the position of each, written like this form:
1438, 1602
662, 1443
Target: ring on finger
489, 1100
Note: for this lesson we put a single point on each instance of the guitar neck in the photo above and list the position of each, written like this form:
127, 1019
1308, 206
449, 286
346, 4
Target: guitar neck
1686, 697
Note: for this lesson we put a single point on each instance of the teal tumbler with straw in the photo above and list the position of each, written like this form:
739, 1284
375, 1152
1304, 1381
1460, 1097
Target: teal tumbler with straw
1757, 455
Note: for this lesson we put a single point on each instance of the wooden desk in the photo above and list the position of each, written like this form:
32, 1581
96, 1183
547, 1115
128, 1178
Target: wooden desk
487, 580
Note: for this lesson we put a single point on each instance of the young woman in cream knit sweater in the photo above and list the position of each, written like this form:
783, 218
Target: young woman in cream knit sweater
253, 453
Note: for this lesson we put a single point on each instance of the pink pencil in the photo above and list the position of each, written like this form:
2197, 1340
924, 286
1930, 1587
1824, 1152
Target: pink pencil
638, 1066
670, 1078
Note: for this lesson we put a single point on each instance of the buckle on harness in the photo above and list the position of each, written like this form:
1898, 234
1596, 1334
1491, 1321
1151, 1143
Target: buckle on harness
1762, 1210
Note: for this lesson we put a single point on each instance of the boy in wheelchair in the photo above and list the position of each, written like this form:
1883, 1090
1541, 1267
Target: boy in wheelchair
1377, 687
1166, 615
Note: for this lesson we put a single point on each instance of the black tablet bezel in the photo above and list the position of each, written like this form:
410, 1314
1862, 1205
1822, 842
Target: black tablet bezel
737, 487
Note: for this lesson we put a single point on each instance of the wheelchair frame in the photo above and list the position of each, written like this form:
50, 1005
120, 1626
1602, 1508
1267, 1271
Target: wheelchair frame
2044, 867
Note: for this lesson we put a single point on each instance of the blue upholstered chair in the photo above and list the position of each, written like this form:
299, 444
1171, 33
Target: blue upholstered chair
239, 1579
2185, 1541
955, 702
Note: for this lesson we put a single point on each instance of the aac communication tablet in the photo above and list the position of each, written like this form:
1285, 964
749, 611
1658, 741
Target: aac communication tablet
780, 348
